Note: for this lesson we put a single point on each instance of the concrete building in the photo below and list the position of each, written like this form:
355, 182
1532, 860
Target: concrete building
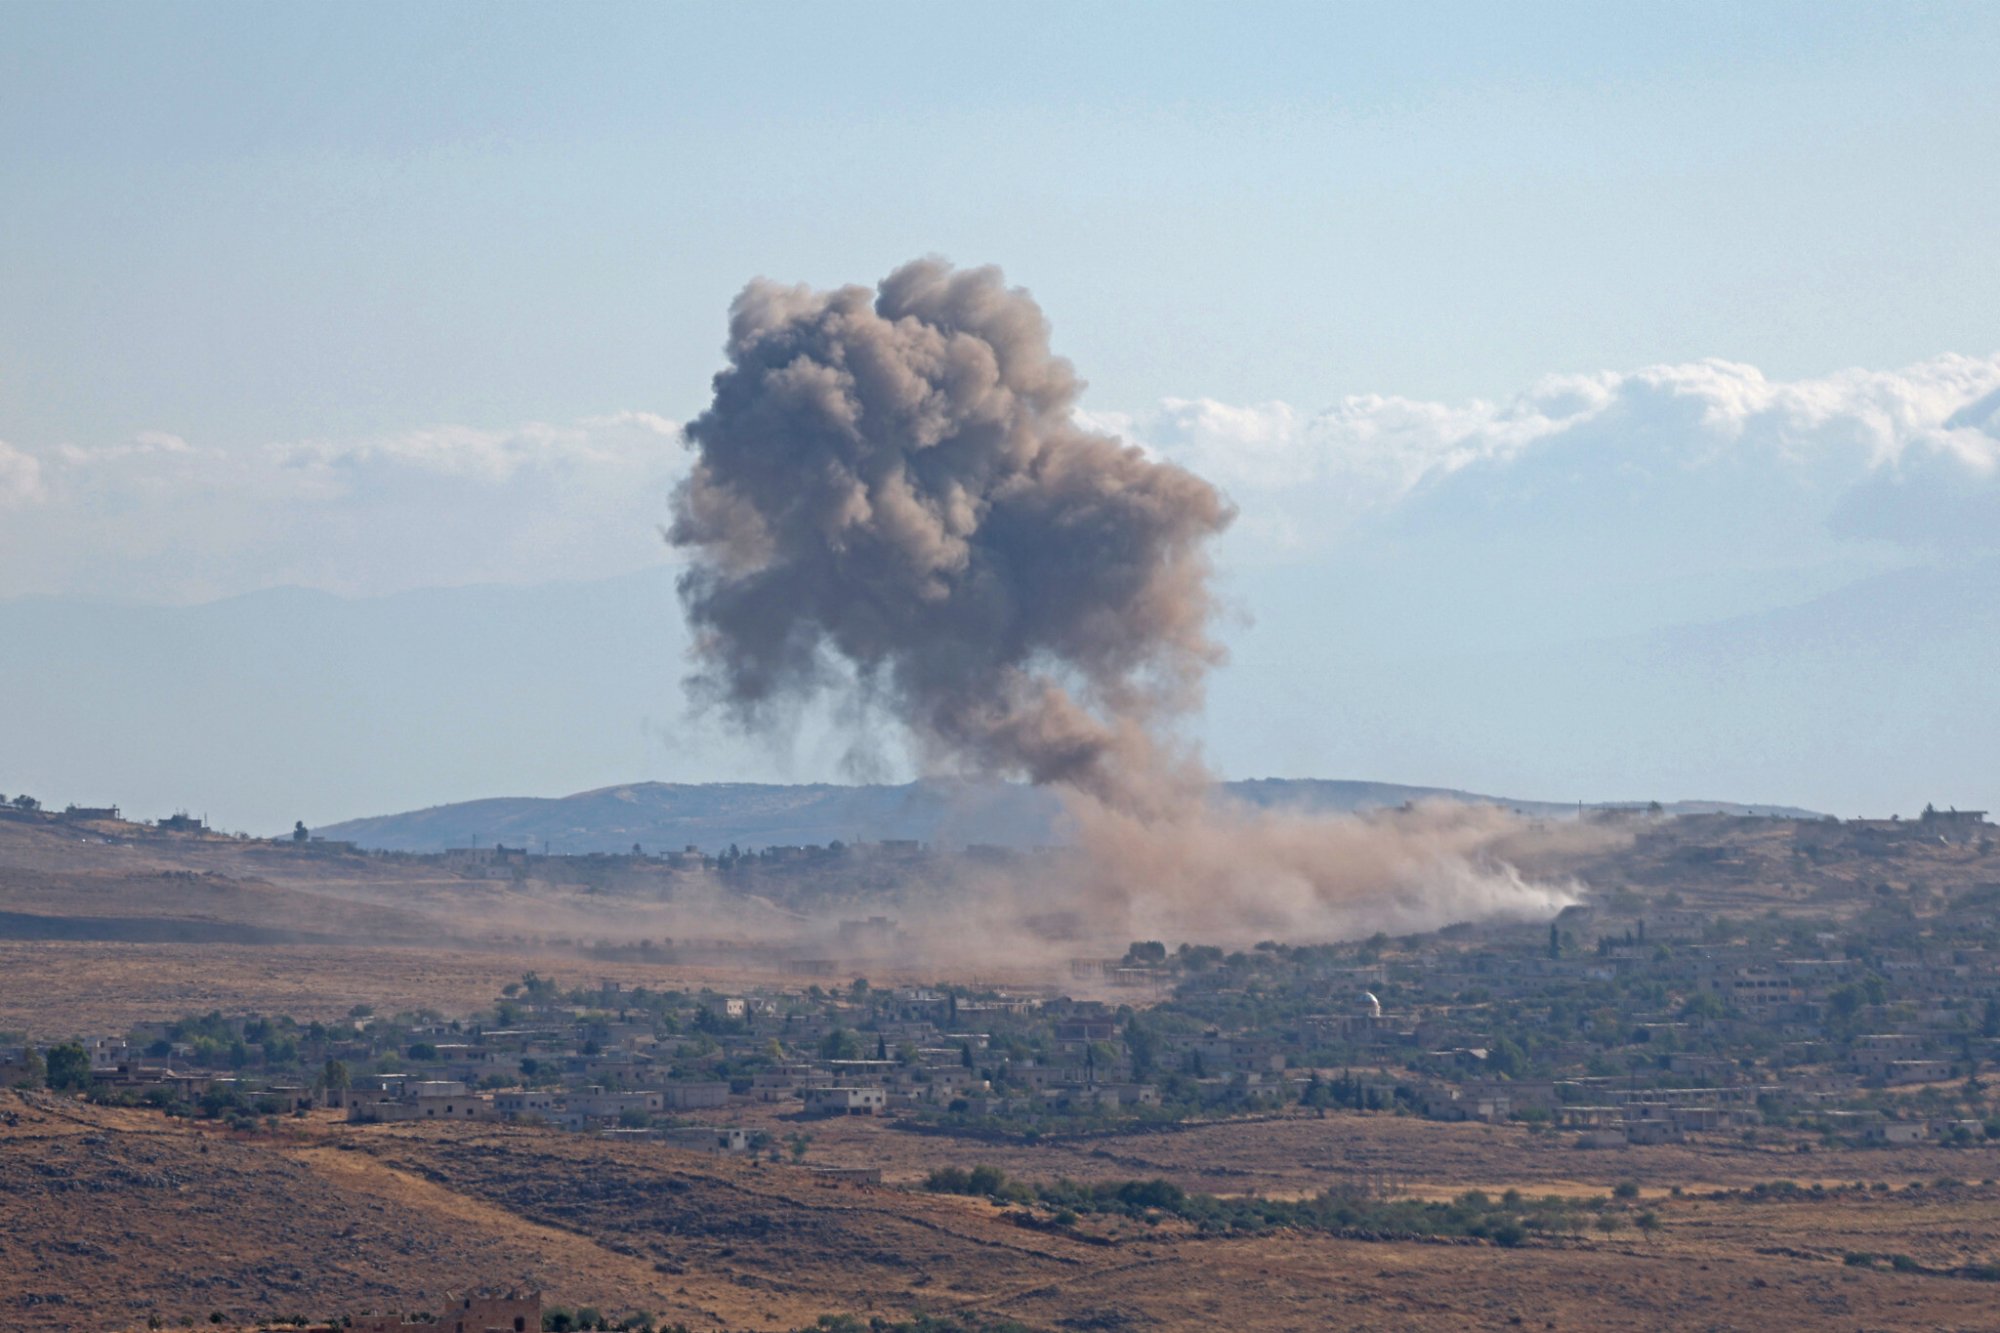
705, 1096
707, 1138
846, 1101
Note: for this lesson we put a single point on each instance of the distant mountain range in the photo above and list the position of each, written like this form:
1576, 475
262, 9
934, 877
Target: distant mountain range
666, 816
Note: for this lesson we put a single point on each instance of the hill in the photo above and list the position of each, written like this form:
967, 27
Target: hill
668, 815
112, 1217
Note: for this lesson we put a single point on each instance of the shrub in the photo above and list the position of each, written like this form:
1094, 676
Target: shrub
986, 1180
948, 1180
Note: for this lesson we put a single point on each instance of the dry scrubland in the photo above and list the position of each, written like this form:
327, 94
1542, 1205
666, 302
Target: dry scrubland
110, 1216
97, 935
54, 989
1297, 1153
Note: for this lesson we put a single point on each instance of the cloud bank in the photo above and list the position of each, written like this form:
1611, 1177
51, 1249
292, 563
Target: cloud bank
157, 517
1710, 461
1909, 456
20, 477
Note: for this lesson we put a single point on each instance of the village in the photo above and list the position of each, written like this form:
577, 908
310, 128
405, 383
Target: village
1858, 1017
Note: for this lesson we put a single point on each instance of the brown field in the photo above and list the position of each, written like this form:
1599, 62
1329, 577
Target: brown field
110, 1216
55, 989
1298, 1153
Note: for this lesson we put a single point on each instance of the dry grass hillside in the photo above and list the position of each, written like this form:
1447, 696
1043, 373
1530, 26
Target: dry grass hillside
105, 925
111, 1216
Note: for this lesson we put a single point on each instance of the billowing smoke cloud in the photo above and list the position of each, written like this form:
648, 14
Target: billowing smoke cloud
895, 482
892, 496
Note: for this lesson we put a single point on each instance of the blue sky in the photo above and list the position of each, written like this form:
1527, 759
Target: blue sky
1506, 326
254, 221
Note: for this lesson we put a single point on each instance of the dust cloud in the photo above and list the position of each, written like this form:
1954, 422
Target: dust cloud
893, 502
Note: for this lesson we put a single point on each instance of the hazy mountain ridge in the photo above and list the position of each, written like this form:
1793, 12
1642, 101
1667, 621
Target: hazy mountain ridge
664, 816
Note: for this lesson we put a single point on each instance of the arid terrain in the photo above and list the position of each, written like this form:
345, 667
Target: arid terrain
99, 929
112, 1216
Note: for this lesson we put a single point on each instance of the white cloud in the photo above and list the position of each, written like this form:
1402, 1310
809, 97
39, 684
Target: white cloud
1705, 469
492, 456
1930, 430
158, 517
20, 477
146, 444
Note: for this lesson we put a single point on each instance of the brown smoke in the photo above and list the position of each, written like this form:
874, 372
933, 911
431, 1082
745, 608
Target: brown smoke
894, 481
892, 499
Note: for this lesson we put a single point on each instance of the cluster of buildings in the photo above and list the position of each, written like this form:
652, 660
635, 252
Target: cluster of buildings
1634, 1033
1661, 1032
643, 1066
1643, 1024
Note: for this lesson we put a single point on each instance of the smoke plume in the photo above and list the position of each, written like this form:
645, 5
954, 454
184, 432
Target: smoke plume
892, 499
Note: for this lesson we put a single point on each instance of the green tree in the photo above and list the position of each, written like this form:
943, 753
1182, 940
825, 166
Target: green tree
68, 1068
333, 1077
1703, 1004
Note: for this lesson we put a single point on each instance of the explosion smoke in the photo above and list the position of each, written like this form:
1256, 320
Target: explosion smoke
892, 496
899, 483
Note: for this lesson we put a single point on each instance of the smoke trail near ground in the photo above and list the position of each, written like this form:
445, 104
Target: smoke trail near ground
892, 499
